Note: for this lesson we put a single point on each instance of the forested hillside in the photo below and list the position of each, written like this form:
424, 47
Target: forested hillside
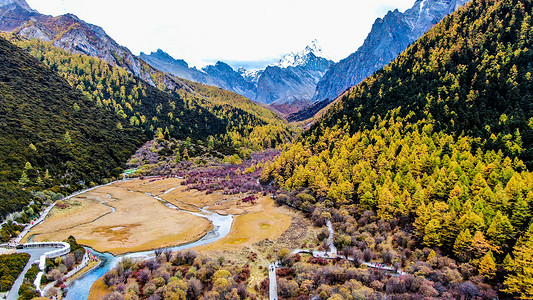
472, 74
52, 135
435, 147
251, 126
187, 109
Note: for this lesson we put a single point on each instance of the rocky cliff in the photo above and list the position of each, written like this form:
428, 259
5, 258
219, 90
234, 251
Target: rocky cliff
224, 76
389, 36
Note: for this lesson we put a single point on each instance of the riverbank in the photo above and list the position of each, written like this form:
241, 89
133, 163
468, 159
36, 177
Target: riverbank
91, 266
98, 290
269, 222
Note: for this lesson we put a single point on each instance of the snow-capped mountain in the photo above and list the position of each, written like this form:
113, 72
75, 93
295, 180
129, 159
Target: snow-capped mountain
250, 75
302, 58
389, 36
292, 80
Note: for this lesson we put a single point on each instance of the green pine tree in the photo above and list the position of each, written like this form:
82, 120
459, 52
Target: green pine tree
487, 266
520, 280
500, 230
463, 245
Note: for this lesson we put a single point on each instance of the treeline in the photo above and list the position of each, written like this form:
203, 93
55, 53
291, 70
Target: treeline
438, 142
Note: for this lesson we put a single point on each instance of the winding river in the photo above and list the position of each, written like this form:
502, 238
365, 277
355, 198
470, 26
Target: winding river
80, 288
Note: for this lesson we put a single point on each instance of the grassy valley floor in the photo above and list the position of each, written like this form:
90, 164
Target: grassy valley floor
113, 219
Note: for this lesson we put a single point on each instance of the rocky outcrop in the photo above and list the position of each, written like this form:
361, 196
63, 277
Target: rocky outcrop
67, 32
14, 13
224, 76
177, 67
21, 3
389, 36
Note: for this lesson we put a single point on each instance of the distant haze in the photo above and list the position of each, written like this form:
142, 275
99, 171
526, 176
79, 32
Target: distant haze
245, 33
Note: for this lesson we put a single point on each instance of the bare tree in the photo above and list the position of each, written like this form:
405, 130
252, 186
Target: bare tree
158, 252
168, 254
69, 261
78, 254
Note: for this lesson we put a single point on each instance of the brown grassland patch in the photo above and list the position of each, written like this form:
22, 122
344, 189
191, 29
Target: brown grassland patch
154, 186
139, 223
99, 290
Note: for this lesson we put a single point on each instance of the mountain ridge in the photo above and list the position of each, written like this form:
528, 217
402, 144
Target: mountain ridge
22, 3
292, 79
70, 33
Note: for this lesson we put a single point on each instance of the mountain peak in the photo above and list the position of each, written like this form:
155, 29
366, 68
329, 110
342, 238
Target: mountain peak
314, 48
21, 3
222, 64
162, 56
219, 66
302, 58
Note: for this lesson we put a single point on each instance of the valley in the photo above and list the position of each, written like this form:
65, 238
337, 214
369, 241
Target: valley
127, 217
403, 171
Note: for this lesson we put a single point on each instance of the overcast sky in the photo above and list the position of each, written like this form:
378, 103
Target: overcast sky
242, 32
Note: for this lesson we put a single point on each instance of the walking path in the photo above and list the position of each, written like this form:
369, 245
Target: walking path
331, 244
41, 218
273, 287
14, 292
38, 253
383, 267
332, 253
45, 212
83, 264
